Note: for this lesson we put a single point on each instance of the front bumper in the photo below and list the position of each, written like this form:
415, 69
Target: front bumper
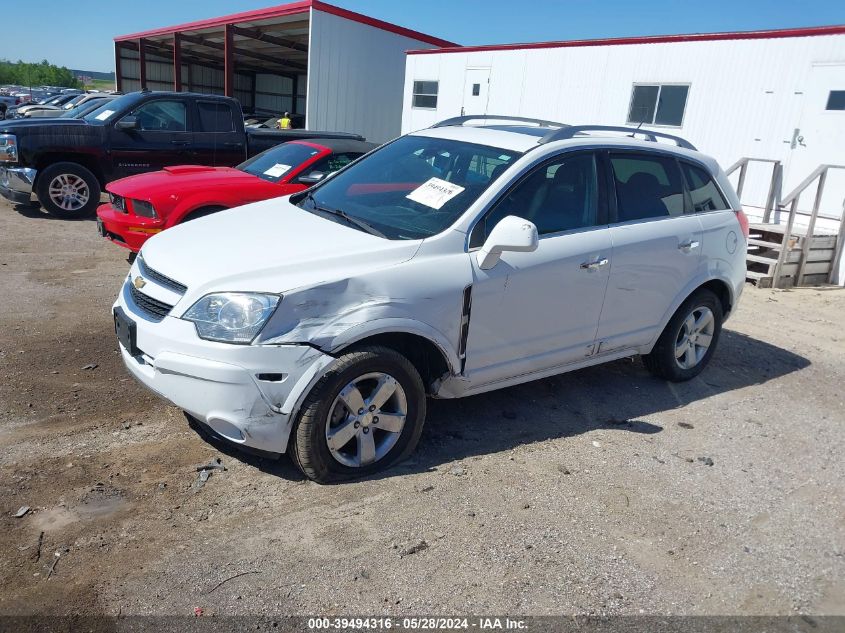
124, 229
16, 183
247, 394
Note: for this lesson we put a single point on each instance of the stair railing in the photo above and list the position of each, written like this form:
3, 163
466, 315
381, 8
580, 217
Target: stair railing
775, 184
791, 200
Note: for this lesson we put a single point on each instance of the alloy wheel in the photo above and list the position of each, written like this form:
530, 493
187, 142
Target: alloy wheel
366, 419
694, 337
69, 192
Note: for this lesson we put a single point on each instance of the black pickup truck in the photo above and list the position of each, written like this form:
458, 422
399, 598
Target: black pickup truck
67, 162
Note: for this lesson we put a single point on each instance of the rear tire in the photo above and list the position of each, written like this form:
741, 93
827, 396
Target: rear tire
687, 343
68, 191
333, 443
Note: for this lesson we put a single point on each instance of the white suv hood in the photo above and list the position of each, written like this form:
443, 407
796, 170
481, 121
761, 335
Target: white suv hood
269, 246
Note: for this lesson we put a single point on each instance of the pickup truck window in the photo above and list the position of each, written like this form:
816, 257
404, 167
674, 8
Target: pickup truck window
162, 116
215, 117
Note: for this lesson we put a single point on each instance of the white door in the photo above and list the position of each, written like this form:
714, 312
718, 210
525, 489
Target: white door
533, 311
476, 91
656, 249
819, 138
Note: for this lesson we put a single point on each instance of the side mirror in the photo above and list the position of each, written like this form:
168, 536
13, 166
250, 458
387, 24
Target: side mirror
311, 178
510, 234
127, 124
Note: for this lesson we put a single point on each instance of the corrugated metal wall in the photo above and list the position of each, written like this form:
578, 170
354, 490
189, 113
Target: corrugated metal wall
745, 97
355, 77
194, 78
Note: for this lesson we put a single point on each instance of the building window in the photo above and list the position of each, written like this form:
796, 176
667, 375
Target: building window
836, 100
425, 94
476, 90
658, 104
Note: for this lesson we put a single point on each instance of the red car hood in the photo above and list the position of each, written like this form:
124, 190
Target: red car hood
181, 178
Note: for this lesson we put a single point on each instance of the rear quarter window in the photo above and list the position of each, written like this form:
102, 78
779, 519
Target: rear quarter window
703, 191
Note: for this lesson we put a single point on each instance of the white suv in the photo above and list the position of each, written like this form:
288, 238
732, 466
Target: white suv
449, 262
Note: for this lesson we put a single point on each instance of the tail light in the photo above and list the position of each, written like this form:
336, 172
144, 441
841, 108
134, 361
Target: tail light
743, 222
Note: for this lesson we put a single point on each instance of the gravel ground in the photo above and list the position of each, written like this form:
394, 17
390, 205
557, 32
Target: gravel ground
602, 491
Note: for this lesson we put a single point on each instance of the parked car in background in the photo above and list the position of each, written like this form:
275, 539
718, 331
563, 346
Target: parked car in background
57, 111
48, 103
67, 162
141, 206
450, 262
78, 111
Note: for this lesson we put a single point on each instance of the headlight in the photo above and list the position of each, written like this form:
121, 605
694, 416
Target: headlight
144, 209
231, 317
8, 148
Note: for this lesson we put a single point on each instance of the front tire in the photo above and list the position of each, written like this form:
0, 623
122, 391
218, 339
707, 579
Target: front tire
363, 415
687, 343
68, 191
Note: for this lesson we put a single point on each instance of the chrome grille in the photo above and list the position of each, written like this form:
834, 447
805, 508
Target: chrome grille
154, 308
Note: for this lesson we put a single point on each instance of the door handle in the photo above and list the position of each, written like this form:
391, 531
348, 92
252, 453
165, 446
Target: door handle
232, 144
594, 265
180, 142
688, 246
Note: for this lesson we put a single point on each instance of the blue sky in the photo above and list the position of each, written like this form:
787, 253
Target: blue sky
79, 34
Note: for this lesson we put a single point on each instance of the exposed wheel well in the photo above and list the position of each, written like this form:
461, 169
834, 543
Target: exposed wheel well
721, 290
424, 355
201, 212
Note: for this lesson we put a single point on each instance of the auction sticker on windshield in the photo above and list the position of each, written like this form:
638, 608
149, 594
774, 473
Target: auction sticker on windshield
276, 170
105, 114
434, 193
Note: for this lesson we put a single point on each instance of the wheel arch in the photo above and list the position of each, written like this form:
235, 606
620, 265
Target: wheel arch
719, 286
427, 350
88, 162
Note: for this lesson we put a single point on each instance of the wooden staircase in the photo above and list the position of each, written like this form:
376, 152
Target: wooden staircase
766, 244
784, 255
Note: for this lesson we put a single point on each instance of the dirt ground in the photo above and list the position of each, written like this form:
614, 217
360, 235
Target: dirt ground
603, 491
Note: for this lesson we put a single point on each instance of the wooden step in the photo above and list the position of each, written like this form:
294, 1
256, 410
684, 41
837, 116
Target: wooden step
771, 261
763, 280
775, 246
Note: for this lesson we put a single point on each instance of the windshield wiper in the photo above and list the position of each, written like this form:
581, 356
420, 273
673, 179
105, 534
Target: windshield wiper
340, 213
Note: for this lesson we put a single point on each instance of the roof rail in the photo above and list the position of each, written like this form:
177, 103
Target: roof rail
573, 130
461, 120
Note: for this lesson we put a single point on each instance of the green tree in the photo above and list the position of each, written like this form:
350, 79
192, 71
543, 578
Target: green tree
43, 73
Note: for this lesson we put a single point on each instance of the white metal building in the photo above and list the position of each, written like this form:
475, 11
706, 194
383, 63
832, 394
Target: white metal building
334, 69
777, 95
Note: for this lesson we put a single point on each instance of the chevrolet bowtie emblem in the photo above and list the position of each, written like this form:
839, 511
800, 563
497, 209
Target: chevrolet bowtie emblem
139, 282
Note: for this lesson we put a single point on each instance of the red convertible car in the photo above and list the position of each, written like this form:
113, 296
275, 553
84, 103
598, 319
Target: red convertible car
142, 205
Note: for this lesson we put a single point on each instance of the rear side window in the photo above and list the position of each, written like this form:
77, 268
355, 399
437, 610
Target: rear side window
215, 117
647, 187
703, 191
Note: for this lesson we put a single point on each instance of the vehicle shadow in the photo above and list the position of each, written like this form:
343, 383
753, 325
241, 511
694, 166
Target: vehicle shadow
611, 396
34, 211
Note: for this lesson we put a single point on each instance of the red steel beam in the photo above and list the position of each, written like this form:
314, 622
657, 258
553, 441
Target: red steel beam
118, 74
142, 62
177, 62
229, 61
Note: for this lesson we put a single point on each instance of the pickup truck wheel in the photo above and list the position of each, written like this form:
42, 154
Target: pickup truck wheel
689, 339
68, 190
363, 415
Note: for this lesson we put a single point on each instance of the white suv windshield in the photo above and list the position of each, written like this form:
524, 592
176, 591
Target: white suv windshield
411, 188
